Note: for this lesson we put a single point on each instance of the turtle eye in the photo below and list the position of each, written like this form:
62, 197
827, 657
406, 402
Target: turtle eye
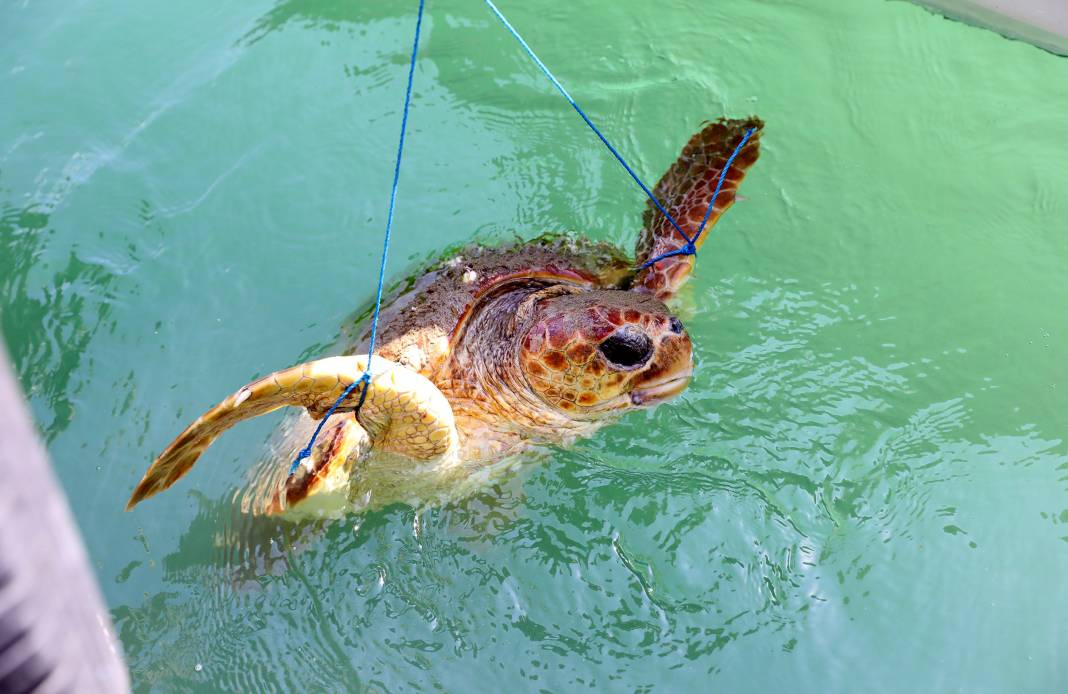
627, 349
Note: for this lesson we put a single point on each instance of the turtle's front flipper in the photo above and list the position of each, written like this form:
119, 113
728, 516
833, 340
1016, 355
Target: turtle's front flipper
403, 412
685, 191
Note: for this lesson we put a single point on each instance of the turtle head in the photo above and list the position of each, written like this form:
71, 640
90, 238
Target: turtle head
590, 353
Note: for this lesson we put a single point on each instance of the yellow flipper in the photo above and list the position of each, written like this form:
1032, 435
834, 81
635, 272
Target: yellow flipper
403, 413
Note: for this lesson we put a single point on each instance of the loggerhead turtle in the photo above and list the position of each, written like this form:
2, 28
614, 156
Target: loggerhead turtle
491, 351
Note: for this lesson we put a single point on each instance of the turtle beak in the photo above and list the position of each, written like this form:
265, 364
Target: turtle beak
659, 391
668, 374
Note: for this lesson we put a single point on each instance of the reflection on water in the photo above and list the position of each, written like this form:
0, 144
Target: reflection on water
48, 322
862, 489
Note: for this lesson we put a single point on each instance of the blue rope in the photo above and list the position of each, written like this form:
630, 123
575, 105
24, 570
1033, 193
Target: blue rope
719, 184
690, 248
691, 245
560, 88
365, 379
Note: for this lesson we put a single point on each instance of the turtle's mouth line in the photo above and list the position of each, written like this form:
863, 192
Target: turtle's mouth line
661, 390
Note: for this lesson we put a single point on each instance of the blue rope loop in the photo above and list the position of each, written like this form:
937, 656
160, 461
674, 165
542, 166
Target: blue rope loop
366, 377
307, 450
691, 244
688, 249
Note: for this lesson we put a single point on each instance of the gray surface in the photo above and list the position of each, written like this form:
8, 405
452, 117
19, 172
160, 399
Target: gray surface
1041, 22
55, 633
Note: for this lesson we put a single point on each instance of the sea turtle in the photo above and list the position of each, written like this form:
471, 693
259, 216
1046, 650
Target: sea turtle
492, 350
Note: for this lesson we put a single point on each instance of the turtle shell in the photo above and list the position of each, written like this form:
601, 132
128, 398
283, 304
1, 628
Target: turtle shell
425, 314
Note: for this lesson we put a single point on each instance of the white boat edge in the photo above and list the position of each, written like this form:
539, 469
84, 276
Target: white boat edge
1043, 23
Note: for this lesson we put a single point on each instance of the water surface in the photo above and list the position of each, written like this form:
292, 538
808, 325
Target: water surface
863, 489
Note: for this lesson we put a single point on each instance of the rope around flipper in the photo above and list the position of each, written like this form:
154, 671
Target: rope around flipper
365, 379
560, 88
691, 243
690, 248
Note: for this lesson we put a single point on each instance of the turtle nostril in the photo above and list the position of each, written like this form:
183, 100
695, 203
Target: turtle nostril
627, 348
676, 325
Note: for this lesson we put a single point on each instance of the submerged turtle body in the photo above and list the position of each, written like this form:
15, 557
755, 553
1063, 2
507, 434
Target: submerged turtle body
490, 351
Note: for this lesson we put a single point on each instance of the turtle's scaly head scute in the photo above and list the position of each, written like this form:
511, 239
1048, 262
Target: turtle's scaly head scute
598, 352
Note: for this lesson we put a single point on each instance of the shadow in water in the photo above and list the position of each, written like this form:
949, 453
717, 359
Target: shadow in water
328, 15
48, 317
245, 594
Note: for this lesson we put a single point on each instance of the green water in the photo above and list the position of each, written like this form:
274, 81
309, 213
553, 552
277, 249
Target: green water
864, 489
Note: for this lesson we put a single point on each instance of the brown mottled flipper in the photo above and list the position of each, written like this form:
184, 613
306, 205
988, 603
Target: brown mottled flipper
404, 413
685, 191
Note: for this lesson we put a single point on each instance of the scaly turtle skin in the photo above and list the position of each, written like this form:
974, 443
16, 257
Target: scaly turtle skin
491, 351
